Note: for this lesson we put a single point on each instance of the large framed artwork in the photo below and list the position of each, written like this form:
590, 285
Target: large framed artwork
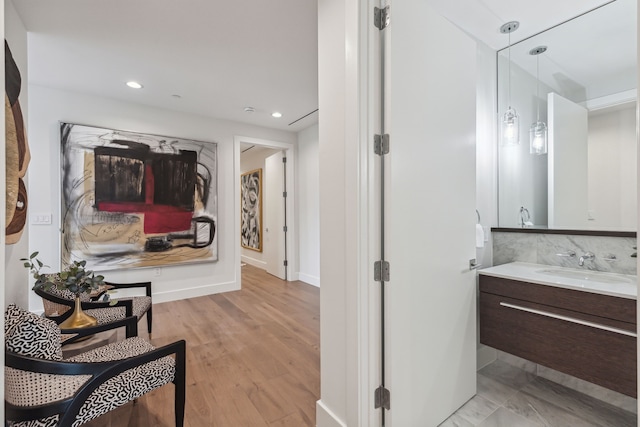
137, 200
251, 200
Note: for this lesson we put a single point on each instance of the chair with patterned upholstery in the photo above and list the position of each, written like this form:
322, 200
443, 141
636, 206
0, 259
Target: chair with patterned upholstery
59, 303
44, 390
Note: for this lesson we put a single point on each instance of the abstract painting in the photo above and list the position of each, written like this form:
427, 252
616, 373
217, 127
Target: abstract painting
251, 200
137, 200
16, 152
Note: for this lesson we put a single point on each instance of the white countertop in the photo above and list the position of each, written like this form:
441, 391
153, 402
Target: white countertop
618, 285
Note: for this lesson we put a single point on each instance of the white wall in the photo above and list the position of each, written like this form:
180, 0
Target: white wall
344, 326
307, 190
16, 278
49, 106
251, 160
612, 169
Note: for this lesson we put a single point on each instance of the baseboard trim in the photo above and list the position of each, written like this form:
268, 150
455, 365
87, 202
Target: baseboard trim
294, 276
199, 291
255, 262
326, 418
311, 280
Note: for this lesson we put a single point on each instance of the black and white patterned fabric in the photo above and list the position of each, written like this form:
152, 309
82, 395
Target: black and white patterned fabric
130, 384
111, 314
31, 335
106, 315
67, 294
140, 305
116, 391
85, 296
115, 351
103, 315
24, 388
12, 316
44, 422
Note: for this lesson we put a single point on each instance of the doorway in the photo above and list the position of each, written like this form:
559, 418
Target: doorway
273, 162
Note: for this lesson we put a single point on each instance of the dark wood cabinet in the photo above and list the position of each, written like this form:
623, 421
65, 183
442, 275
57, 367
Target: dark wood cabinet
583, 334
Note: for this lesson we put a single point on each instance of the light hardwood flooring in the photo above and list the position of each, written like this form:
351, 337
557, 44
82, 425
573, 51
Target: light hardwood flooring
253, 358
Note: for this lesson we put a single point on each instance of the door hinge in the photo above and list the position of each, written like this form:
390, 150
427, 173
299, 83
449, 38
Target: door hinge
381, 17
284, 194
285, 228
284, 160
381, 144
381, 271
382, 398
286, 263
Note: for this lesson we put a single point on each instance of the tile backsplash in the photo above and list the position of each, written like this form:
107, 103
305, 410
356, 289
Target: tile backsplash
543, 248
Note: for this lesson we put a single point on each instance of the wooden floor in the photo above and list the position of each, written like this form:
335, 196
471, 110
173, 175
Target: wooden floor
253, 358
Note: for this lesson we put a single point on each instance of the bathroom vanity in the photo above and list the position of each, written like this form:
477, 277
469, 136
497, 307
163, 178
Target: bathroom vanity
579, 322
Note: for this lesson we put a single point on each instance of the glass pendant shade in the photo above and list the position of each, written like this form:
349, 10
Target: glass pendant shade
510, 128
538, 138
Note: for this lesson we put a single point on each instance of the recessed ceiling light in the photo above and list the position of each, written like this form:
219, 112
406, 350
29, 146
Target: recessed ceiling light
134, 85
276, 115
249, 110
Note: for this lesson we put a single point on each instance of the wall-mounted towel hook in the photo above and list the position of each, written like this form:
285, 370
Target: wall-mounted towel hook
478, 215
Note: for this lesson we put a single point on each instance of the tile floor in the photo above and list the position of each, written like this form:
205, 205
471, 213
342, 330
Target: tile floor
511, 397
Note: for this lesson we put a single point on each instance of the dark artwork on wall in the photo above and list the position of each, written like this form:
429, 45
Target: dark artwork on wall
16, 151
251, 210
137, 200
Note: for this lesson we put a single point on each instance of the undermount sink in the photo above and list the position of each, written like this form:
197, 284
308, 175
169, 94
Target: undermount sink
584, 275
599, 282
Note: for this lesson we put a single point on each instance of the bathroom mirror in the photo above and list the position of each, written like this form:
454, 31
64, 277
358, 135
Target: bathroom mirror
584, 88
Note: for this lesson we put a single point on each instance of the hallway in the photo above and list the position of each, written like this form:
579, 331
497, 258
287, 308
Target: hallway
252, 358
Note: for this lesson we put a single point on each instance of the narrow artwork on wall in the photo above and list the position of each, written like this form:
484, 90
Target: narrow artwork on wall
137, 200
16, 152
251, 199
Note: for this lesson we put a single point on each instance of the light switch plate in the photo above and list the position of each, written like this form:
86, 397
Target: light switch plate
41, 218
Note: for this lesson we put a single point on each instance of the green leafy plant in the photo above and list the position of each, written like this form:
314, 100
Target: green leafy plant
75, 278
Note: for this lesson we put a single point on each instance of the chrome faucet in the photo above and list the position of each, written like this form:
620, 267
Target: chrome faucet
585, 257
567, 254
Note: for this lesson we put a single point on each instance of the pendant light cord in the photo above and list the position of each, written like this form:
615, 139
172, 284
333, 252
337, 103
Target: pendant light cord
538, 86
509, 100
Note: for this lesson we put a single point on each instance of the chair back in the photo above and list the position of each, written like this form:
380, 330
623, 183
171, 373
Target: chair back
52, 308
27, 334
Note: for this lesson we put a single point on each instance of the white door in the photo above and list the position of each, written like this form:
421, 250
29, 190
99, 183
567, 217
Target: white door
430, 211
274, 236
568, 163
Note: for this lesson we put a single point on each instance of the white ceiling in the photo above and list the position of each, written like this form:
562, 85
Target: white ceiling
589, 57
219, 56
223, 56
483, 18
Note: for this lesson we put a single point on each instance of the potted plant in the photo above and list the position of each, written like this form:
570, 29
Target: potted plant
75, 279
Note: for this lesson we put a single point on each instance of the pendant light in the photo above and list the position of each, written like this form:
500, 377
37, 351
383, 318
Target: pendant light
510, 123
538, 130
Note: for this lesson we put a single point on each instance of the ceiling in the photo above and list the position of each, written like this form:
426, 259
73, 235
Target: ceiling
220, 57
483, 18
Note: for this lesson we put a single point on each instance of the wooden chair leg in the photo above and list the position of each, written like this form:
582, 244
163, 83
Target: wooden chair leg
180, 383
149, 319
